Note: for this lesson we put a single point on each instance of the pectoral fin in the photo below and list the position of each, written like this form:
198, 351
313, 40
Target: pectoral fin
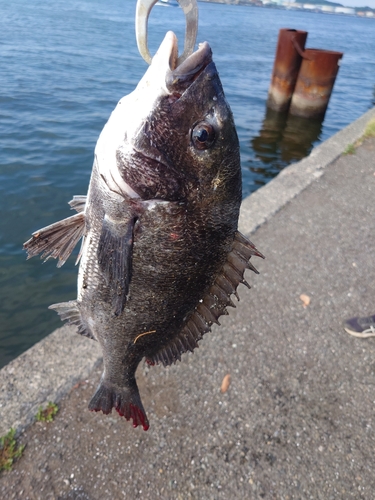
57, 240
115, 259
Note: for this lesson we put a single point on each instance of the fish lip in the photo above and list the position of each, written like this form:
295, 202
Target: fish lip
197, 61
166, 57
179, 78
171, 38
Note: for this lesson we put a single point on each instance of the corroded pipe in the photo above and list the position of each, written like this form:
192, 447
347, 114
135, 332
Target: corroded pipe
290, 48
315, 82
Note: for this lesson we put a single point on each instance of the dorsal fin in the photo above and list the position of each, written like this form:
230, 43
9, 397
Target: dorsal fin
78, 202
69, 311
214, 304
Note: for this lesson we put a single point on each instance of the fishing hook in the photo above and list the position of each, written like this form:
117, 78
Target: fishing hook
143, 10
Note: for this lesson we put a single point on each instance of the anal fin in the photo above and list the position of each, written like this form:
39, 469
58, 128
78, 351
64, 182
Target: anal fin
115, 257
214, 304
57, 240
69, 311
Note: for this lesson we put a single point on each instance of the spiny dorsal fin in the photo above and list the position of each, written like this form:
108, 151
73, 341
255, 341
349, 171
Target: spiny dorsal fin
214, 304
69, 311
56, 240
78, 202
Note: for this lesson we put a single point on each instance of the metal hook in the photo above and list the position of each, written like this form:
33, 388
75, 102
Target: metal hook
143, 10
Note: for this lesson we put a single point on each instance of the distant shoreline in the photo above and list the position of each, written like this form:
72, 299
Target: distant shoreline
314, 6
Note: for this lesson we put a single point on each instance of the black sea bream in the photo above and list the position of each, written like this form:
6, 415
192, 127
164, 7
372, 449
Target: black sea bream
161, 254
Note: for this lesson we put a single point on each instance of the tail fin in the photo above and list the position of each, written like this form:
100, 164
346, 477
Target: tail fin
125, 400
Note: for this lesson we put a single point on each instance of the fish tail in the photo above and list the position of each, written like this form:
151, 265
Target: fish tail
126, 400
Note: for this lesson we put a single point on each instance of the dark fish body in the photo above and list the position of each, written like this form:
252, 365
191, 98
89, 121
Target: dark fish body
161, 254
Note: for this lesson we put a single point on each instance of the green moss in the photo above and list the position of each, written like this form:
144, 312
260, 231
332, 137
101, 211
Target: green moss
9, 451
349, 150
47, 414
369, 132
370, 129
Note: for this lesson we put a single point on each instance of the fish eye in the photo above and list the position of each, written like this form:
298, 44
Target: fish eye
203, 135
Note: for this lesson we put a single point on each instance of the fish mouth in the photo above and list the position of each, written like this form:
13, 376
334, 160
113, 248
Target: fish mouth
180, 77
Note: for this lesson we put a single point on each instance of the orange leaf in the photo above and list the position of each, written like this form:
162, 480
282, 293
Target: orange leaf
225, 383
305, 299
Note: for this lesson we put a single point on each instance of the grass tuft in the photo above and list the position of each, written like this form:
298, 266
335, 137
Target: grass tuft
370, 129
47, 414
349, 150
369, 132
9, 451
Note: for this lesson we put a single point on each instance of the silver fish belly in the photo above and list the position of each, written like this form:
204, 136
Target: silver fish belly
161, 254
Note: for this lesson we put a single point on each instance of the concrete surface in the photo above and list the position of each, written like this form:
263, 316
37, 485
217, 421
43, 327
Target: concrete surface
297, 419
33, 378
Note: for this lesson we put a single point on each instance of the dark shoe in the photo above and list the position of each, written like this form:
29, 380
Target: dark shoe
361, 327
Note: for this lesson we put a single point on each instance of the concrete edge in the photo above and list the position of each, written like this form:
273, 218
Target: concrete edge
48, 370
45, 372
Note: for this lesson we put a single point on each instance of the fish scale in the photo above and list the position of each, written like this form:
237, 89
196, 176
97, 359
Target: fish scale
162, 254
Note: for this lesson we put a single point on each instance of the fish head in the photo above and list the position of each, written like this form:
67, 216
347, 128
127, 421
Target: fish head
173, 138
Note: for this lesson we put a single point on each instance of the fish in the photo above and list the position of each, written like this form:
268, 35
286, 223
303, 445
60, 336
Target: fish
161, 254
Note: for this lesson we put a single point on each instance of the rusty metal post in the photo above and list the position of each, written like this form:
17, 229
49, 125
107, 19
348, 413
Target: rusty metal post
315, 82
290, 47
